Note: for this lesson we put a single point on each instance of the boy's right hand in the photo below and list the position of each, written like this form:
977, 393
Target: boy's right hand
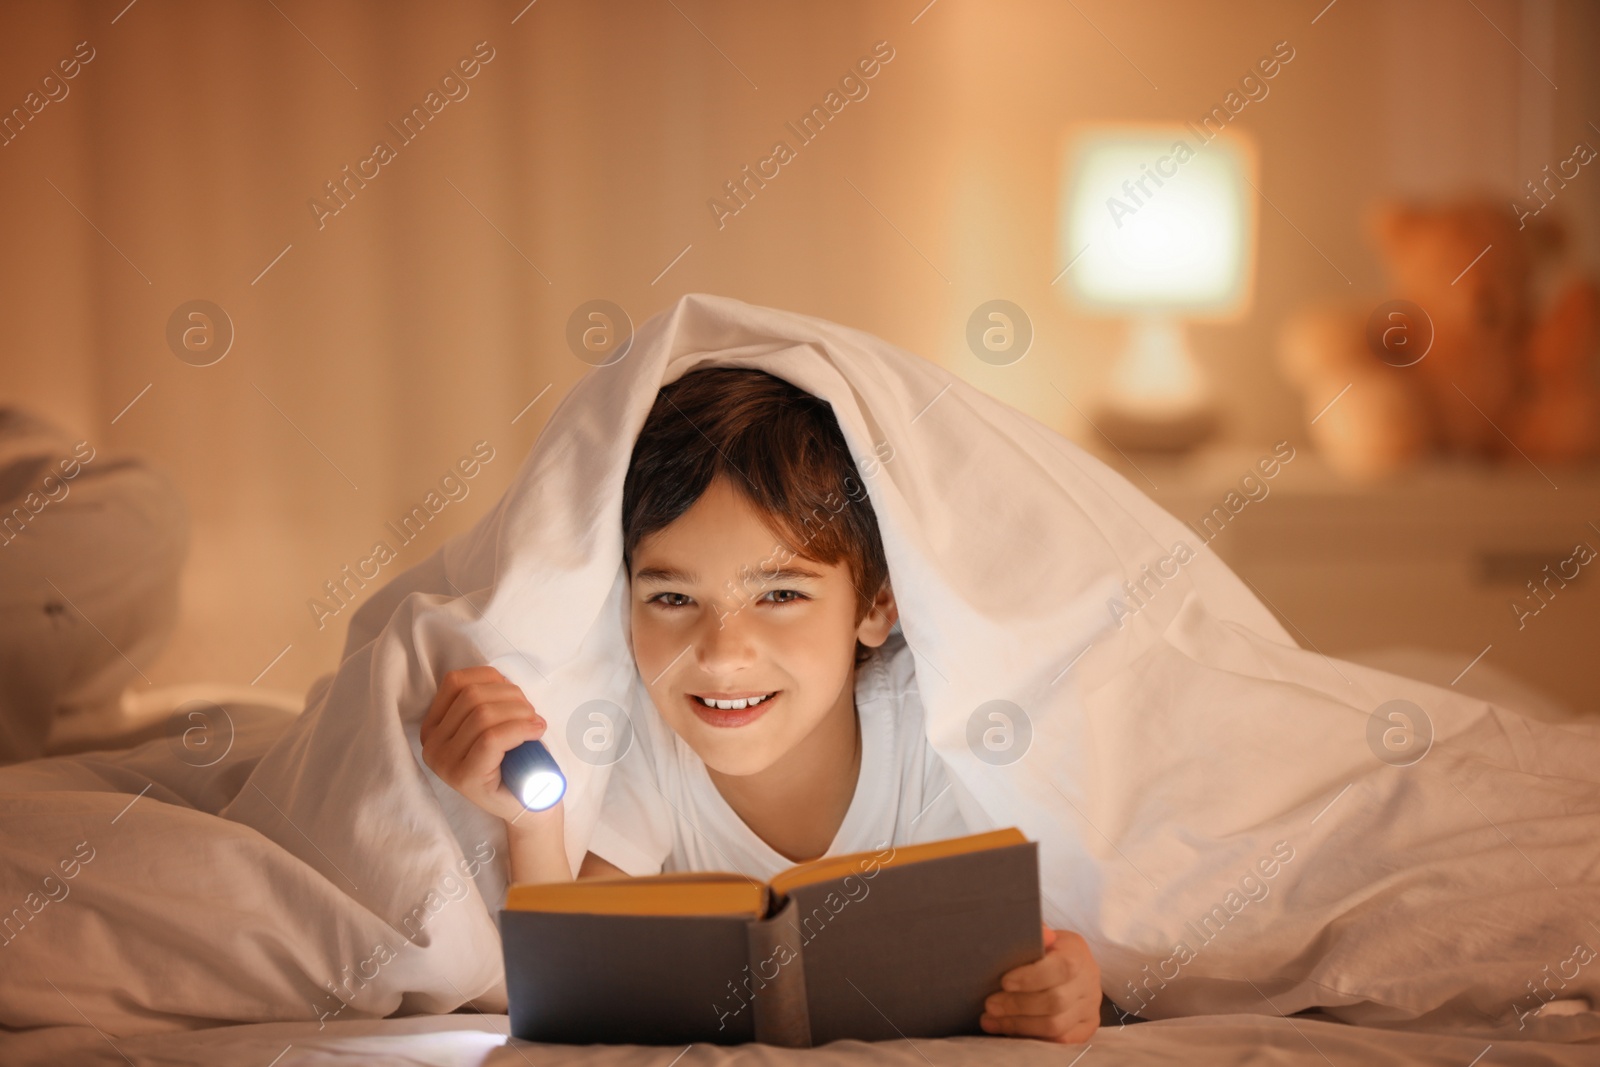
478, 716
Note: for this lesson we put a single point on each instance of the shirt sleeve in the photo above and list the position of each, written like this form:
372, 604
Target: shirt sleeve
634, 831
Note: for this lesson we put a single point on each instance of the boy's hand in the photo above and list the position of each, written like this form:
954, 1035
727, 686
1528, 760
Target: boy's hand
476, 718
1057, 998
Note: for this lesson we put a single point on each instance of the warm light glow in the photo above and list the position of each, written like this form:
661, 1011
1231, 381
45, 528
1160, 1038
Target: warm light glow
541, 789
533, 776
1157, 219
1156, 376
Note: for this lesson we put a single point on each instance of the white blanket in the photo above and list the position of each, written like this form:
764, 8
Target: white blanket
1177, 753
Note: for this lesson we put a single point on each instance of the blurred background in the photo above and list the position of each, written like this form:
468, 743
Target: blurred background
212, 266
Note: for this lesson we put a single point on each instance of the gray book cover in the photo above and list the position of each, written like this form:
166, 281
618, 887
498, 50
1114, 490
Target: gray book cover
907, 951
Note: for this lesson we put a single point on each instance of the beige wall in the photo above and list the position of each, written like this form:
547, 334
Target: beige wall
410, 326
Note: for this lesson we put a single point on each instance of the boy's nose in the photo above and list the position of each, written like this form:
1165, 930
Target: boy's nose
723, 642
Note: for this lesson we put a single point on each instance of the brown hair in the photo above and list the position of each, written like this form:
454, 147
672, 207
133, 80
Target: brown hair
780, 448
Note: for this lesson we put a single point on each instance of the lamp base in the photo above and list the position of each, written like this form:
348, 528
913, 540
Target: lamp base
1172, 434
1156, 400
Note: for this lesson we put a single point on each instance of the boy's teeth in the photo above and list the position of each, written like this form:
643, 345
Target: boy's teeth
732, 705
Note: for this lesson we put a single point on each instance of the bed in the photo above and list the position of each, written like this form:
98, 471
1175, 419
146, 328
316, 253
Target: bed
464, 1040
225, 893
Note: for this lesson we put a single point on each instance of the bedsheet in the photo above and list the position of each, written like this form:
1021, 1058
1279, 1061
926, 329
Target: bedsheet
461, 1040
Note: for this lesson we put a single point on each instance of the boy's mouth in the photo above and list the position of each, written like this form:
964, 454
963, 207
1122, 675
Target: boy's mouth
734, 711
733, 703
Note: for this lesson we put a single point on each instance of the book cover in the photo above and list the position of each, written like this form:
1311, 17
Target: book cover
905, 942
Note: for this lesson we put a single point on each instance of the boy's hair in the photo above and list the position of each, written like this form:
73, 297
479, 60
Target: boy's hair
779, 447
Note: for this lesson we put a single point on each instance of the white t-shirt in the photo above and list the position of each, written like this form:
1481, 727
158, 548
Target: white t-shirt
662, 812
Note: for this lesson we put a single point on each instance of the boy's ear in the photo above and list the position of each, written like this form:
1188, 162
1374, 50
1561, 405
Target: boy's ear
880, 618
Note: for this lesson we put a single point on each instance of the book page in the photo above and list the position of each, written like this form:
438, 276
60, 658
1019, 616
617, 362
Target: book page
693, 893
829, 867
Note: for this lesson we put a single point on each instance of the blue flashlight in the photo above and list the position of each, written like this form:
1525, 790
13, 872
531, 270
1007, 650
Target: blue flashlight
533, 777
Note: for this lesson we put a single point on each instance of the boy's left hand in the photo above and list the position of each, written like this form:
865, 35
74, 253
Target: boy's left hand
1056, 998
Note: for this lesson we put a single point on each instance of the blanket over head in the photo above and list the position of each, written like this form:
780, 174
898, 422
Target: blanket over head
1217, 810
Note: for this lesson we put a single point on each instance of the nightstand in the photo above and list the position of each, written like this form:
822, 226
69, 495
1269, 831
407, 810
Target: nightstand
1439, 558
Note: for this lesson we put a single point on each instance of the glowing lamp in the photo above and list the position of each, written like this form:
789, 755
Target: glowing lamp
1157, 224
533, 777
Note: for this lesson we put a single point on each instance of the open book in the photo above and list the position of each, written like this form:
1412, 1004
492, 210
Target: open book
903, 942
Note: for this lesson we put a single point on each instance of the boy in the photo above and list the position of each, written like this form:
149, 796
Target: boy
761, 617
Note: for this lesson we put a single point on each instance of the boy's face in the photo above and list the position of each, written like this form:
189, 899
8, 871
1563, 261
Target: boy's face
711, 621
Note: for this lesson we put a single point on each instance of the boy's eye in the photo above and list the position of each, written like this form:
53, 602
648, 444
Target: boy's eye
672, 600
785, 596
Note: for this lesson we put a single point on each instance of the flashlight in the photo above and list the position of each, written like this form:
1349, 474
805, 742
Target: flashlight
530, 772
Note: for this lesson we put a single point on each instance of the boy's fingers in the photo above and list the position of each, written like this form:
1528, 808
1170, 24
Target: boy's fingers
1074, 948
473, 696
449, 686
1045, 1002
1053, 970
481, 719
492, 745
1065, 1028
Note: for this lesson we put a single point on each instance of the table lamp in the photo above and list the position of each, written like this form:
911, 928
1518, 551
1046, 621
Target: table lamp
1157, 225
533, 777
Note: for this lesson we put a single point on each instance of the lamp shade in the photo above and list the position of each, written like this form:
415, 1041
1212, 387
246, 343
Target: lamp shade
1159, 219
